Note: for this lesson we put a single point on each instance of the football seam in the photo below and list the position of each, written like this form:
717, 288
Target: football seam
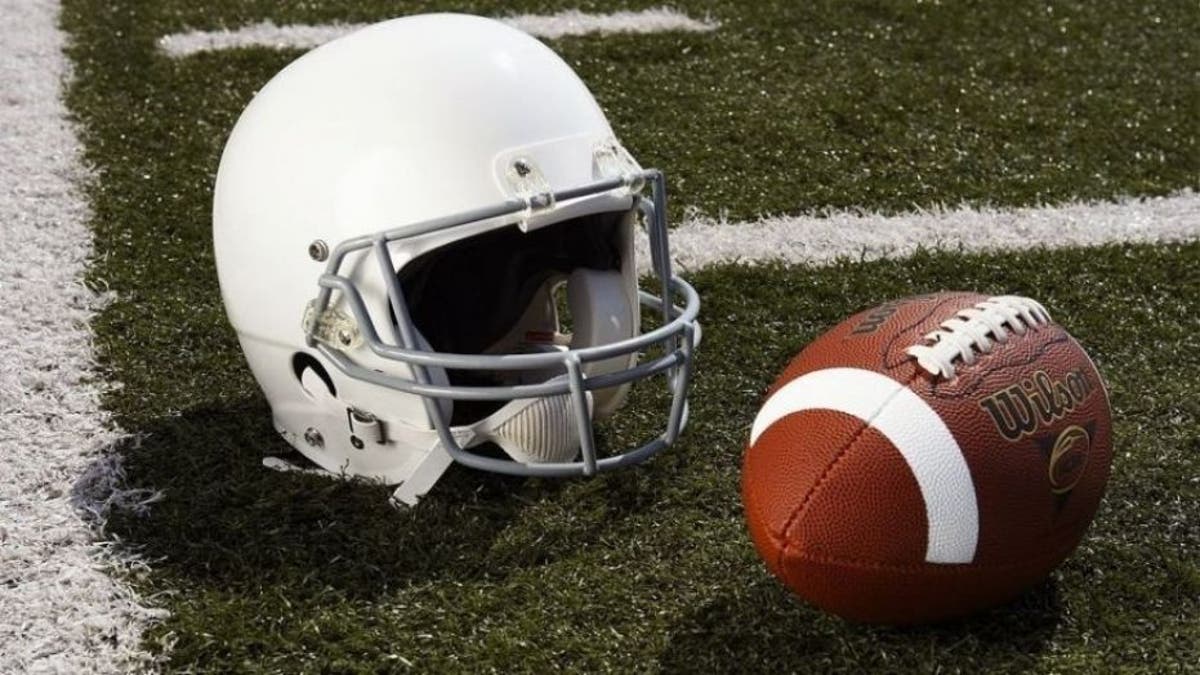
784, 541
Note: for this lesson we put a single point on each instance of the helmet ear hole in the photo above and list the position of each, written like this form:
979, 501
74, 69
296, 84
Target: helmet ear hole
303, 361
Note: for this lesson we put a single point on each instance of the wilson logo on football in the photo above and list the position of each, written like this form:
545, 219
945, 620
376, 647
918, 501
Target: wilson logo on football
876, 318
1019, 410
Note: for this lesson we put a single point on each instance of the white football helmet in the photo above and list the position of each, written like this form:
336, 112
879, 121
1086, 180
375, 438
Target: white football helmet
399, 216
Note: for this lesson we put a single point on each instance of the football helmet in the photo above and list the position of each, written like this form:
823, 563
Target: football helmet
401, 218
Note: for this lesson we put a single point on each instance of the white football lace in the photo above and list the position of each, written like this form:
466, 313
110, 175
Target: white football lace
976, 330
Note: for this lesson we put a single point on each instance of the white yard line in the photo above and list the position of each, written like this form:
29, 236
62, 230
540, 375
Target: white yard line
562, 24
808, 239
819, 239
60, 608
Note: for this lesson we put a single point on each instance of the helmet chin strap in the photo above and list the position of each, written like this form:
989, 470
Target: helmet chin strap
534, 430
530, 430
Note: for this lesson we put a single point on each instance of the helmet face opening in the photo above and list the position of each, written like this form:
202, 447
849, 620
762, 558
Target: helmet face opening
466, 296
509, 291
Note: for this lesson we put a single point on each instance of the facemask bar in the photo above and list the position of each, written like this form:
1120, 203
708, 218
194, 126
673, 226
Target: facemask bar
679, 334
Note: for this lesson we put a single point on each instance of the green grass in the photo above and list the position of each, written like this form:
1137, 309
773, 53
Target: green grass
652, 568
906, 105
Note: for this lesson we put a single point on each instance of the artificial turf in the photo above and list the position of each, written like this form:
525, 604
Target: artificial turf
785, 108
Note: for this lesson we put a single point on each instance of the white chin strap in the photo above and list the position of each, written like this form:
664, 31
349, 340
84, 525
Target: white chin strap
530, 430
533, 430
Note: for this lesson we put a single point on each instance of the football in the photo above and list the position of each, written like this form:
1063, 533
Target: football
928, 458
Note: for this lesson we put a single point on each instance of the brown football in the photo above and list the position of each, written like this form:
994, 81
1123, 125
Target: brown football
928, 458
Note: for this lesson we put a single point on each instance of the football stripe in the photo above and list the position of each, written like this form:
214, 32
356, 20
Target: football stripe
916, 431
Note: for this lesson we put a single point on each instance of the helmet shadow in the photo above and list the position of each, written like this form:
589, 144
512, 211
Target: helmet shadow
224, 521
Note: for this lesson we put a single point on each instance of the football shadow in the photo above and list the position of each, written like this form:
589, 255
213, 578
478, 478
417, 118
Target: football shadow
223, 520
765, 629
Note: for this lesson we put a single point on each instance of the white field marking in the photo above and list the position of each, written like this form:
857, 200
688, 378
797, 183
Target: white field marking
60, 608
821, 239
562, 24
914, 429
